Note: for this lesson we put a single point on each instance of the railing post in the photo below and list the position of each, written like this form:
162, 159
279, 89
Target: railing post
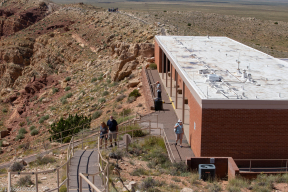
107, 176
80, 183
58, 180
67, 174
9, 181
93, 181
250, 166
36, 182
61, 138
72, 147
149, 127
82, 139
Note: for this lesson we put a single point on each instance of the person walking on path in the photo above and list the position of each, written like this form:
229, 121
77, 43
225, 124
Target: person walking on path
158, 89
113, 129
103, 134
178, 128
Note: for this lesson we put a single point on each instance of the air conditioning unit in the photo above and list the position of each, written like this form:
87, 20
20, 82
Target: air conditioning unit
206, 171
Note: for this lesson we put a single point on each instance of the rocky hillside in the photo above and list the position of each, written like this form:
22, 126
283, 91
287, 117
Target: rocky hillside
68, 59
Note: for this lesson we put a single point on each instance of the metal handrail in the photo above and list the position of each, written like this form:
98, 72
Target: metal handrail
250, 166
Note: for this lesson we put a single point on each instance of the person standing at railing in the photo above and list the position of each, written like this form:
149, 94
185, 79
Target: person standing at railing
158, 89
103, 134
178, 129
113, 130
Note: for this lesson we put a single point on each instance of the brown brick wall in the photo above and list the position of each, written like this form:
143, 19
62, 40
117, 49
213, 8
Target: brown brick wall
245, 133
158, 57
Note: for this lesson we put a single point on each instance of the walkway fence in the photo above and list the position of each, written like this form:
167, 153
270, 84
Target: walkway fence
92, 140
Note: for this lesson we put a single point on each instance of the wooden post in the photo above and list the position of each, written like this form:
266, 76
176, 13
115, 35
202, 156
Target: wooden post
72, 148
250, 166
176, 93
93, 179
61, 138
36, 182
166, 72
108, 176
58, 180
162, 64
82, 139
183, 102
67, 174
9, 181
170, 79
149, 127
80, 183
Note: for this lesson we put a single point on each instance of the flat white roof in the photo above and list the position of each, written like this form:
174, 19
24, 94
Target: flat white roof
266, 77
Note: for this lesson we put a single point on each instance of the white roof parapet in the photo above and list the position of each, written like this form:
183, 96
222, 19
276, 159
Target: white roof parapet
226, 68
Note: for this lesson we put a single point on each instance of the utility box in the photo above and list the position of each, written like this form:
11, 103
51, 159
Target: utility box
206, 171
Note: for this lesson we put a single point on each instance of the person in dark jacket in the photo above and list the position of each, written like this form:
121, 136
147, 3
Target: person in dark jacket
113, 129
103, 134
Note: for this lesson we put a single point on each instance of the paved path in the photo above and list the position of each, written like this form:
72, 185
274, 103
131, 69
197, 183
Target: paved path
167, 119
84, 161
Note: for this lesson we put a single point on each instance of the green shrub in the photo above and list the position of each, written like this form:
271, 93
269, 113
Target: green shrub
34, 132
22, 131
3, 170
63, 188
43, 160
44, 118
176, 179
19, 137
149, 183
32, 128
102, 100
153, 66
64, 124
120, 98
131, 99
264, 182
214, 187
1, 143
55, 90
67, 139
236, 184
126, 112
67, 88
276, 23
96, 114
67, 78
93, 79
100, 78
139, 172
21, 124
105, 93
136, 133
135, 93
189, 24
16, 167
108, 81
25, 181
64, 98
4, 110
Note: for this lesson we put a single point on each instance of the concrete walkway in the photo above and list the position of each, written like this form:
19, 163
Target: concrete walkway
167, 119
84, 161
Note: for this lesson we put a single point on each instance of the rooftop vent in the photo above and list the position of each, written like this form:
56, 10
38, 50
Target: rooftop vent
213, 78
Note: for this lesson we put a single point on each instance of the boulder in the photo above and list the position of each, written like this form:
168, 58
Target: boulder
21, 161
133, 83
146, 50
5, 143
187, 190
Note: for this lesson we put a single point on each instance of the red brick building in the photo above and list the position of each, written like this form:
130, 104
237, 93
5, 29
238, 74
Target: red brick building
237, 96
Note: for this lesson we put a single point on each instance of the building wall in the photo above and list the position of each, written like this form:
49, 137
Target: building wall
158, 57
245, 133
